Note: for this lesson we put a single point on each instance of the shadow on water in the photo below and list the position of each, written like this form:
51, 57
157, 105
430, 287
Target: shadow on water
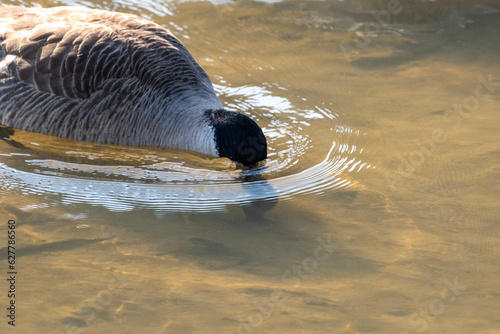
257, 209
6, 133
401, 55
50, 247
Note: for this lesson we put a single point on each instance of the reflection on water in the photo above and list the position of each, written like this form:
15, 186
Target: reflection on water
376, 211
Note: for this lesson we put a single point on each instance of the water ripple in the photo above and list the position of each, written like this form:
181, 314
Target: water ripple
125, 178
309, 150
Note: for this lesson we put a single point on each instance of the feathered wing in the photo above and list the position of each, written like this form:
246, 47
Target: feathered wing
61, 51
56, 62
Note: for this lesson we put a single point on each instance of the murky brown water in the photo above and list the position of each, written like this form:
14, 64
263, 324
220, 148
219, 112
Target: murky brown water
377, 210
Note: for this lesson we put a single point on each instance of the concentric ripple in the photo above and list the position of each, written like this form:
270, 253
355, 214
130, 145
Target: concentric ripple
124, 178
310, 150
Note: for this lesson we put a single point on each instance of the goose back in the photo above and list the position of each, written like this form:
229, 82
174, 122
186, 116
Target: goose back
82, 74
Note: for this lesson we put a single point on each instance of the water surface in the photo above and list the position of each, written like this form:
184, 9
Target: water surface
376, 211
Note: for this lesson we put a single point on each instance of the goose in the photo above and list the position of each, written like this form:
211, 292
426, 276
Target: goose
114, 78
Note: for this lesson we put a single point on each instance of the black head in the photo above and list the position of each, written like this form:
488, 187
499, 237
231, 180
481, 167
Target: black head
238, 137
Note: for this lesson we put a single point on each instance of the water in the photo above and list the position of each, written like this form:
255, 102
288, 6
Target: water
377, 210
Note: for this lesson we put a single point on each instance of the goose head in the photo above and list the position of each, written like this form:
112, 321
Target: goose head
237, 137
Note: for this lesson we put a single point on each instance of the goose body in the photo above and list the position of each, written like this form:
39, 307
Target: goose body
113, 78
